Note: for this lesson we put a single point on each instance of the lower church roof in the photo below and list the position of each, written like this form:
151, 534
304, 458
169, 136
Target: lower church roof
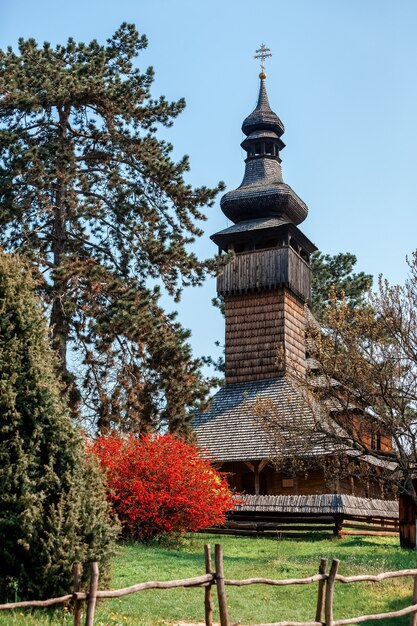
235, 426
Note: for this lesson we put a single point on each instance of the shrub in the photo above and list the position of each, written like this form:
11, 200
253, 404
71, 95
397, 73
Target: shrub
160, 485
53, 508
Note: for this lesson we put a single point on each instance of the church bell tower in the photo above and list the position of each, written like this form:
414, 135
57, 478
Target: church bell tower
267, 282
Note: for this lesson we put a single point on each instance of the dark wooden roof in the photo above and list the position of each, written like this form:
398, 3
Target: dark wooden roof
231, 429
263, 192
334, 504
261, 229
262, 117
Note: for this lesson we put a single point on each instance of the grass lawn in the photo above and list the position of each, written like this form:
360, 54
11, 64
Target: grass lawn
245, 558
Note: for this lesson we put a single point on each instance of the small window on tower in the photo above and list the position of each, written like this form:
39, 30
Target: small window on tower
269, 148
267, 243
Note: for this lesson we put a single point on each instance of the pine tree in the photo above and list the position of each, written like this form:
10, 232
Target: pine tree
334, 273
53, 509
91, 196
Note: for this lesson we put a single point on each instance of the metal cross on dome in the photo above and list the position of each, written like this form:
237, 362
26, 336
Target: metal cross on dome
262, 53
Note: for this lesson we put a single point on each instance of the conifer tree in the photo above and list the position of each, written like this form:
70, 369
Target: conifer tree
91, 196
334, 274
53, 509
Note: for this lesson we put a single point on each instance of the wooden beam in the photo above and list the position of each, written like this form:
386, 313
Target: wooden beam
262, 465
257, 485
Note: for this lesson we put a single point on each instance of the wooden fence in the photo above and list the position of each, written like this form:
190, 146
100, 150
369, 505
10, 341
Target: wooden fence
325, 590
296, 525
293, 516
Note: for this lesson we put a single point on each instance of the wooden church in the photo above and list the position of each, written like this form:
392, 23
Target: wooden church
265, 287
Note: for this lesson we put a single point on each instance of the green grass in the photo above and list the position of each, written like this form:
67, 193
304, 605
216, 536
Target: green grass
244, 558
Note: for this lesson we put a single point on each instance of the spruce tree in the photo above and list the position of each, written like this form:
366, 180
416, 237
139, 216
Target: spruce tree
53, 510
91, 196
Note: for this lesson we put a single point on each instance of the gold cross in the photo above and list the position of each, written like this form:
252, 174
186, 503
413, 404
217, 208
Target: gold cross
262, 54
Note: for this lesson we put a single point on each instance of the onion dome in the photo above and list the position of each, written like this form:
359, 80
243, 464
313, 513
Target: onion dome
263, 193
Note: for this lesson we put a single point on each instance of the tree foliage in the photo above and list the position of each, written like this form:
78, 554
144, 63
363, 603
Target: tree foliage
92, 198
161, 485
334, 273
364, 392
53, 509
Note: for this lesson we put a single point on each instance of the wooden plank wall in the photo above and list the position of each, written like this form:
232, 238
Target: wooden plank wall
266, 269
312, 482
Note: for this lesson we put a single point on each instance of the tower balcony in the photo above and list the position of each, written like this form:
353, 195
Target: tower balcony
263, 270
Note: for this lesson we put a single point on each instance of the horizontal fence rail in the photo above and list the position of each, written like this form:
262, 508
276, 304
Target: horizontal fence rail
37, 603
325, 589
277, 583
286, 524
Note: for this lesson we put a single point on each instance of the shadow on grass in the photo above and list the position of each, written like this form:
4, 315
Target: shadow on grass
365, 541
394, 605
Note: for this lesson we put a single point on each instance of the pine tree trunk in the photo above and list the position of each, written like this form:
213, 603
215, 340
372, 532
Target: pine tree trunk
59, 322
59, 319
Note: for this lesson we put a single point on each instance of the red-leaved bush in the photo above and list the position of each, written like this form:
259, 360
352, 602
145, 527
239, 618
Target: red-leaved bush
160, 485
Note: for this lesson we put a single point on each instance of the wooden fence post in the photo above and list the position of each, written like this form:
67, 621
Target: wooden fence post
208, 603
338, 526
328, 605
92, 594
413, 617
320, 593
76, 586
221, 589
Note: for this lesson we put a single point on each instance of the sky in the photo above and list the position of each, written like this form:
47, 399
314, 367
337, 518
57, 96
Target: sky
342, 78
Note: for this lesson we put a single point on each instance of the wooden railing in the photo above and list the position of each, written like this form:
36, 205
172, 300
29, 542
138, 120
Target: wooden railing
292, 525
266, 269
325, 591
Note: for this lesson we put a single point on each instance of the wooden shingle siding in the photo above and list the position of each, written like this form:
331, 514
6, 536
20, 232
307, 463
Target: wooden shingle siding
294, 332
265, 334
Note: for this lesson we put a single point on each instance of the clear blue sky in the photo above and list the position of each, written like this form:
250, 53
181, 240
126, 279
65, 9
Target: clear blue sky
343, 79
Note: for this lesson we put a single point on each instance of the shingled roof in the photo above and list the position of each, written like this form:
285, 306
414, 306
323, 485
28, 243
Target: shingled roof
263, 193
330, 503
263, 117
235, 426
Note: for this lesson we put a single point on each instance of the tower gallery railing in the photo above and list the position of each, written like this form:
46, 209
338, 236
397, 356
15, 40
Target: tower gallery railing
266, 269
